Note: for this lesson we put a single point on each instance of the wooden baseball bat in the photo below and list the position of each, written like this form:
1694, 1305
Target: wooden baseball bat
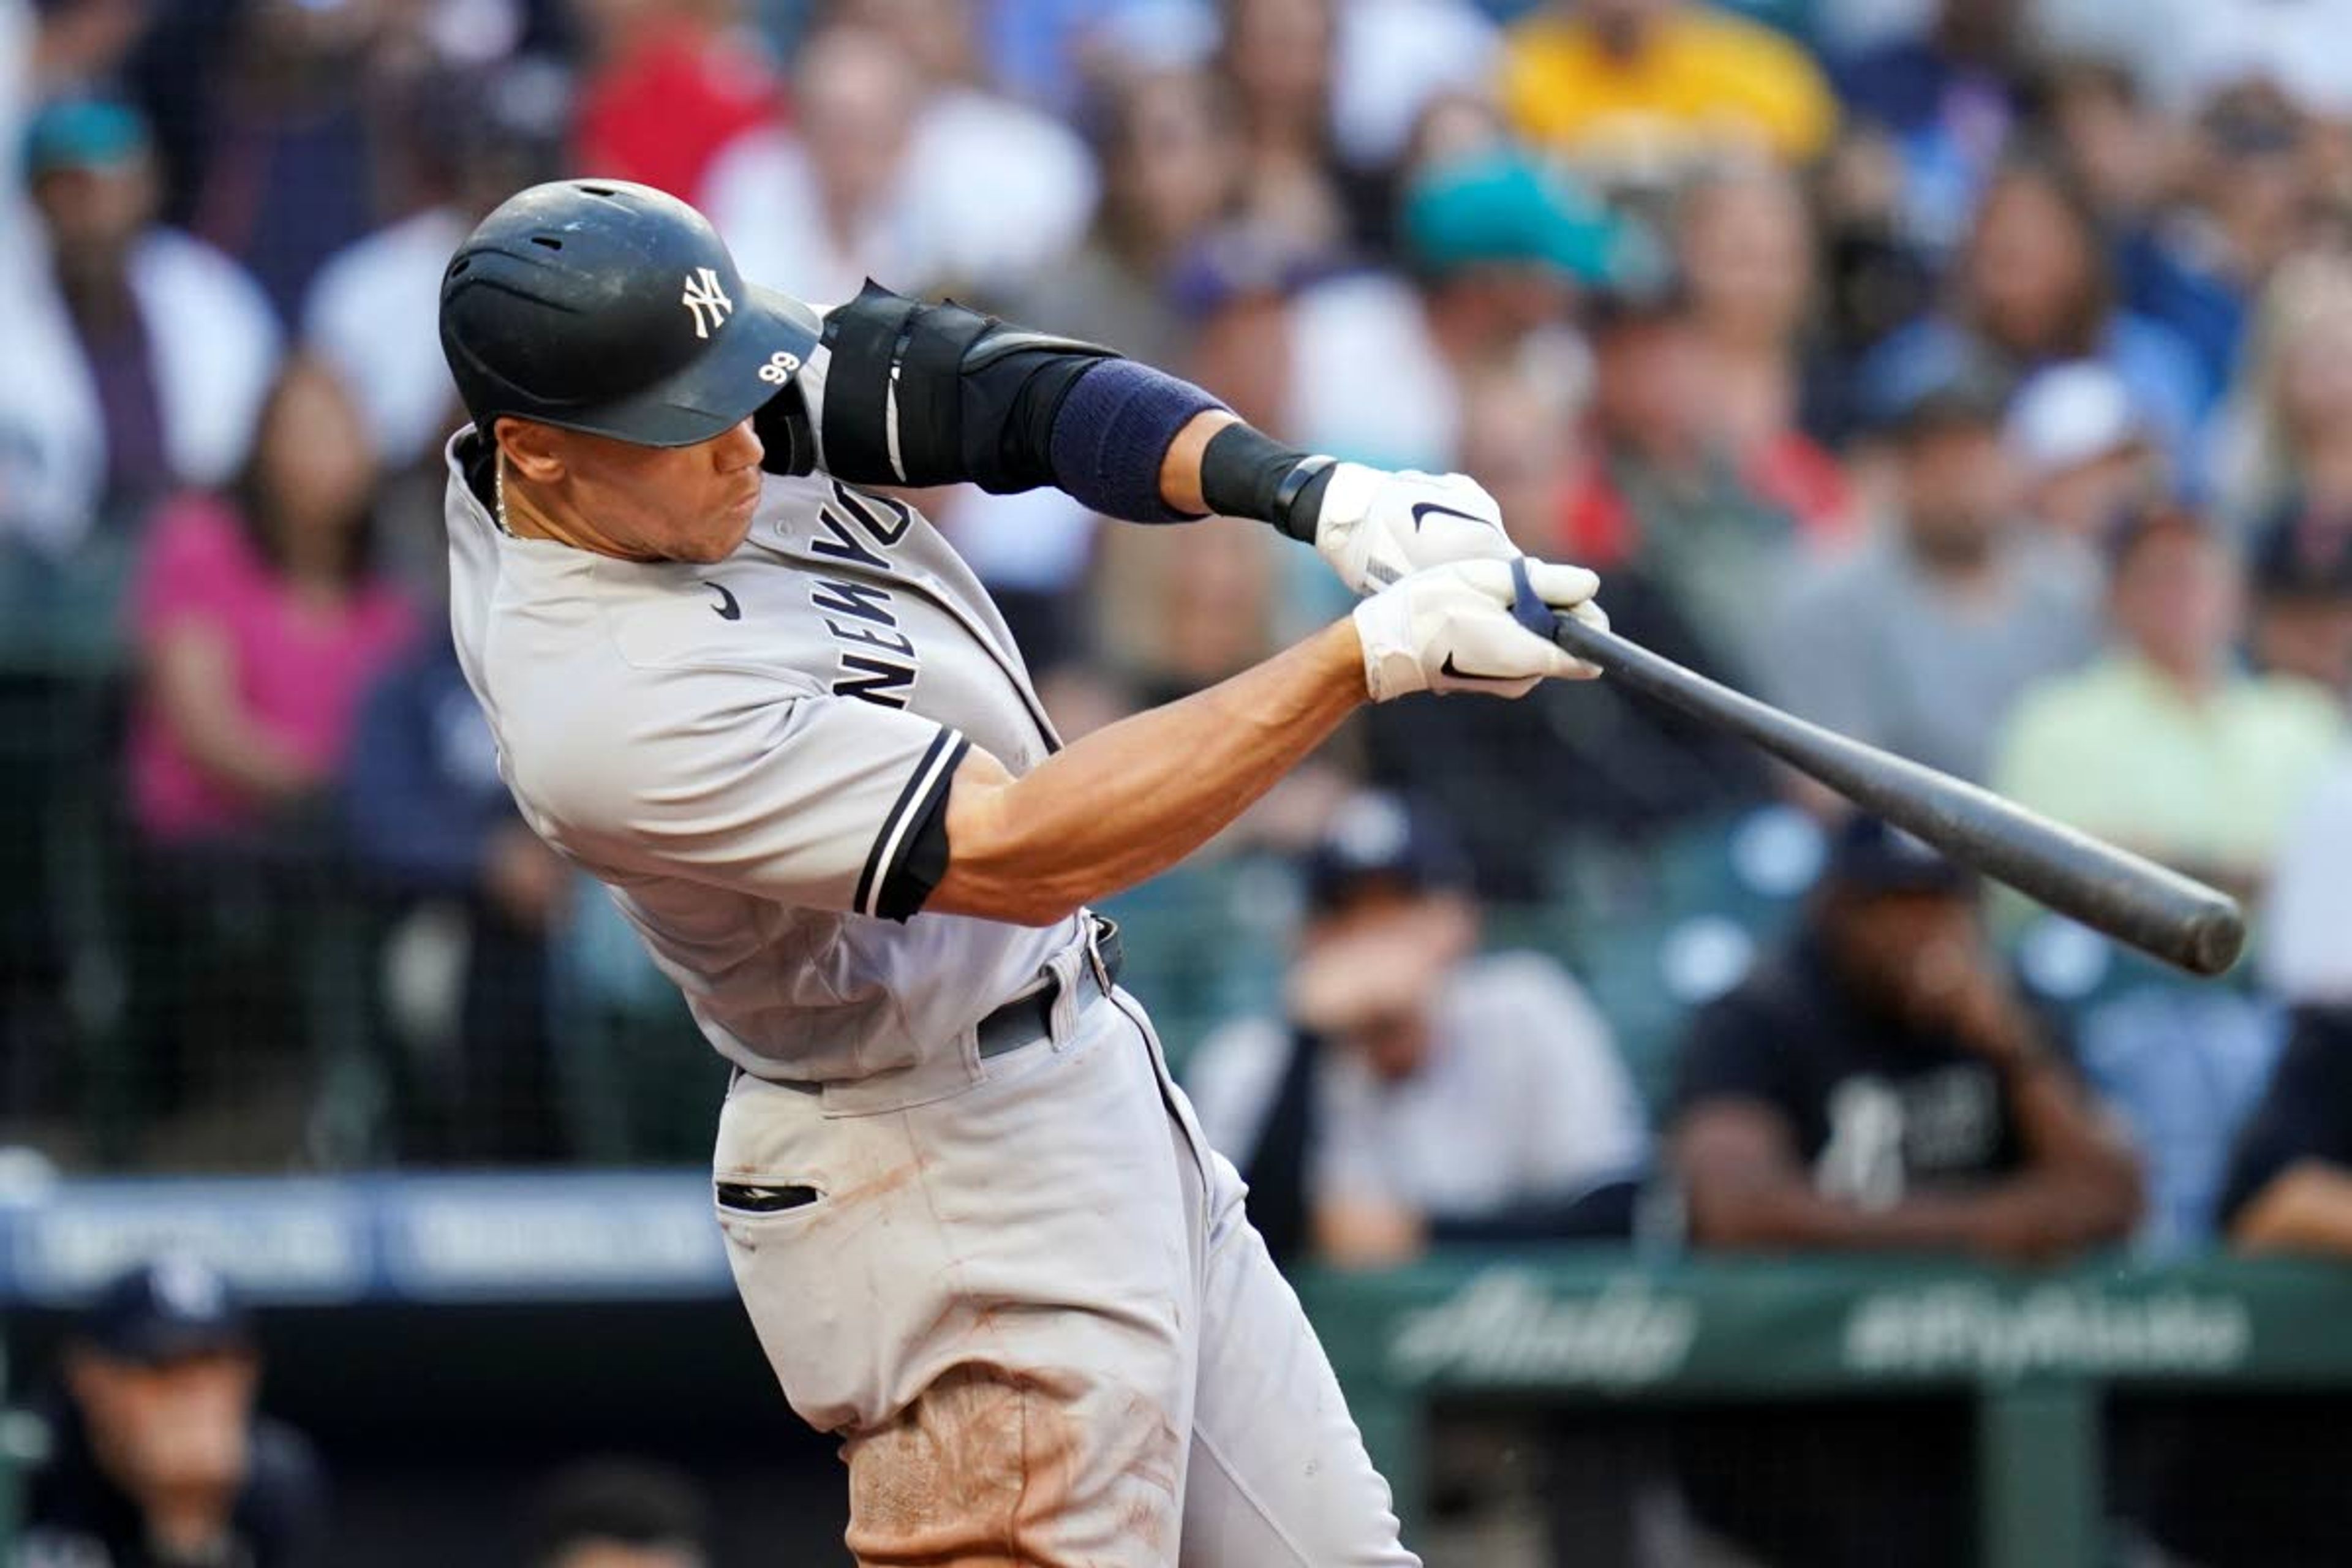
2160, 911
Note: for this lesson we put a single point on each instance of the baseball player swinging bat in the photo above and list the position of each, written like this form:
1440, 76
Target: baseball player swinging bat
2160, 911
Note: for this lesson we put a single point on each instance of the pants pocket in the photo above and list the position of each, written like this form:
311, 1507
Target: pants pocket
748, 1198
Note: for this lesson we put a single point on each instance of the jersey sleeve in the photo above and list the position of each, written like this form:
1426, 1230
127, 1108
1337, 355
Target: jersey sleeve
817, 802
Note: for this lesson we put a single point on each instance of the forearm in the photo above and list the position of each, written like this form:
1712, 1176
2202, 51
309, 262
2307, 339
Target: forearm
1132, 799
2071, 1147
1796, 1219
195, 692
1605, 1212
2307, 1208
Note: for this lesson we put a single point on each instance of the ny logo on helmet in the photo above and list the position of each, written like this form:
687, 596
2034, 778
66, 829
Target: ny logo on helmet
703, 293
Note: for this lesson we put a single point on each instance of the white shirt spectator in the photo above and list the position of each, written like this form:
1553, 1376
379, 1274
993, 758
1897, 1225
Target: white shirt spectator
1394, 57
762, 193
989, 193
1523, 1099
372, 316
1002, 189
215, 344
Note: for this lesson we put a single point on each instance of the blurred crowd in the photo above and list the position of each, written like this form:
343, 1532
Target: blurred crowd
1972, 376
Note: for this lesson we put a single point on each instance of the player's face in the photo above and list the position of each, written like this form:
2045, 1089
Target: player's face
662, 504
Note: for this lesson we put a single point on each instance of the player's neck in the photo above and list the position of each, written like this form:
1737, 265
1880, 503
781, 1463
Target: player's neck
527, 512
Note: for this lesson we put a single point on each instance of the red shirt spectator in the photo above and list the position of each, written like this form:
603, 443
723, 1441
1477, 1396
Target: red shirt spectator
668, 100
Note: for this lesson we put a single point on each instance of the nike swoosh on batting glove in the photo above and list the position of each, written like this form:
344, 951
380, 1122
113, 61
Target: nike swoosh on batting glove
1377, 527
1450, 628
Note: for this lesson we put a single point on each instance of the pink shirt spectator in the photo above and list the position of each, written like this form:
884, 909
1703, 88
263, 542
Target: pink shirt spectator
301, 673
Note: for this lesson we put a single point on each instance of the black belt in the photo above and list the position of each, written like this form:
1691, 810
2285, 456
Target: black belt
1030, 1017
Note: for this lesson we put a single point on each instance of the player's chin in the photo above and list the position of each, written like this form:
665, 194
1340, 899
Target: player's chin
716, 544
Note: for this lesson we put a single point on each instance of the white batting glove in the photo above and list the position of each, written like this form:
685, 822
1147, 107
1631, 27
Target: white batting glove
1450, 628
1375, 527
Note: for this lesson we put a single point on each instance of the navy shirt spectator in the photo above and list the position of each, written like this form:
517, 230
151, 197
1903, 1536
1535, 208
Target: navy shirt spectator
1880, 1087
158, 1459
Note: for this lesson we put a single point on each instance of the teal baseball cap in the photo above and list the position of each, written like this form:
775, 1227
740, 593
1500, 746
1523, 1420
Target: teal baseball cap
1504, 207
82, 133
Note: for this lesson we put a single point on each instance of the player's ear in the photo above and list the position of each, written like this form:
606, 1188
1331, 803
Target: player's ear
532, 450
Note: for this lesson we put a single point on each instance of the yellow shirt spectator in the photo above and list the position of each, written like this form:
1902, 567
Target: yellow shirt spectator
1662, 83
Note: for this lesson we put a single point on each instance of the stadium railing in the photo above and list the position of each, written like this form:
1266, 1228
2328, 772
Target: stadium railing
2040, 1354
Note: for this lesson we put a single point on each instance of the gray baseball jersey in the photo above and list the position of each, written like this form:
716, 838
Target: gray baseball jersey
747, 753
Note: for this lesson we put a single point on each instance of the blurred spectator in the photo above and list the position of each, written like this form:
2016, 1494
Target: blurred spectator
1638, 88
669, 83
1049, 52
1278, 58
1234, 292
432, 824
1000, 188
900, 169
1878, 1087
2118, 146
49, 49
817, 209
1178, 614
1557, 767
2197, 265
292, 160
261, 626
1881, 1086
1413, 1092
2164, 744
2032, 289
1921, 640
1945, 99
372, 313
1667, 498
2302, 600
1395, 58
1170, 165
1745, 245
618, 1513
1494, 248
158, 1457
2084, 454
138, 363
2288, 430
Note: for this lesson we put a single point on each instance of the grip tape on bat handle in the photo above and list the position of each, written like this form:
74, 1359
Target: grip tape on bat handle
2158, 911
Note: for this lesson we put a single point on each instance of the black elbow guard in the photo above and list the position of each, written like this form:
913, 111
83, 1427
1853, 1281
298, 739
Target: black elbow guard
930, 395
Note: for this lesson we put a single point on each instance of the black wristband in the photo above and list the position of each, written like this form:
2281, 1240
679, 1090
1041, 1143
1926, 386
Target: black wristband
1248, 473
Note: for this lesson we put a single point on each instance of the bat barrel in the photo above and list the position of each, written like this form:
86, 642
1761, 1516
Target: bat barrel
2156, 910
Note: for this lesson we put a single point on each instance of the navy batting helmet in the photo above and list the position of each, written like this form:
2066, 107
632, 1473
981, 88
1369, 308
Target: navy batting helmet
602, 305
